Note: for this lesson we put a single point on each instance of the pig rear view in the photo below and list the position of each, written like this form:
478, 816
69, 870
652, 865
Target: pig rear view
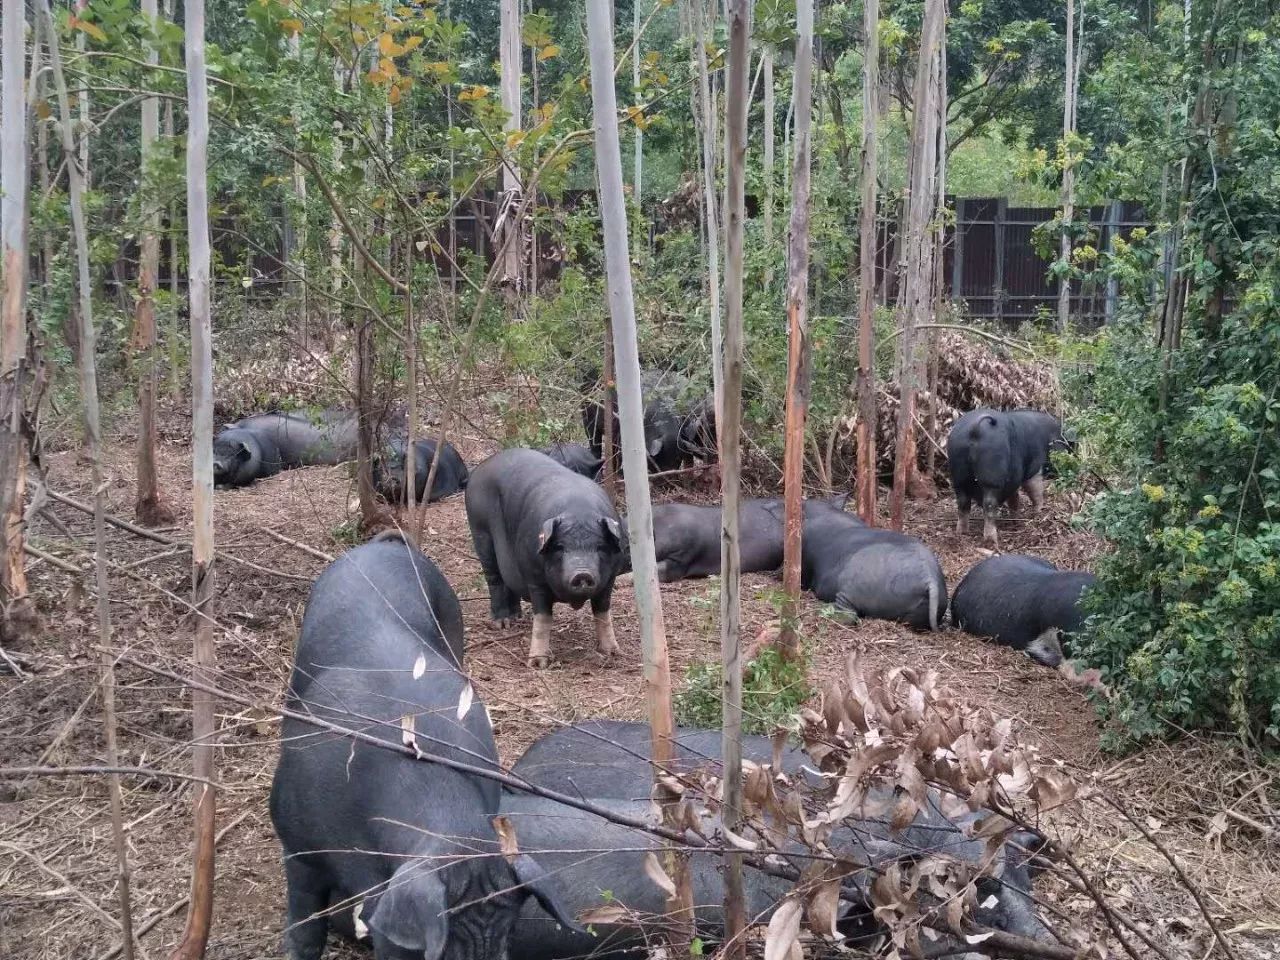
408, 843
544, 534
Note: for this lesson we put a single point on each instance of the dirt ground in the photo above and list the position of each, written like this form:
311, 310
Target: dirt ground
58, 888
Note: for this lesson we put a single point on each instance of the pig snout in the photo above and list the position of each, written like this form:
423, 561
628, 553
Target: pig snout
582, 582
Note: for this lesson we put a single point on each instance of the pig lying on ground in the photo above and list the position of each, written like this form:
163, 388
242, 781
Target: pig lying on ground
679, 422
266, 443
544, 534
609, 761
390, 475
1023, 602
874, 573
409, 844
992, 454
686, 538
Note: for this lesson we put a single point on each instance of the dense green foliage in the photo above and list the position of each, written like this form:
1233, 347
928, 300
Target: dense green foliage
1187, 612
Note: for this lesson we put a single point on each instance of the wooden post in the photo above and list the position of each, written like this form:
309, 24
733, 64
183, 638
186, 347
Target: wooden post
653, 637
798, 360
868, 236
93, 444
730, 431
195, 936
609, 446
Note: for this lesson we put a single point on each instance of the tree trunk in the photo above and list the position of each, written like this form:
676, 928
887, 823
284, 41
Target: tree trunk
712, 224
769, 137
609, 445
335, 223
730, 431
635, 462
1068, 172
175, 352
150, 508
17, 613
415, 513
297, 221
509, 49
195, 936
916, 301
798, 361
637, 176
93, 444
371, 515
866, 436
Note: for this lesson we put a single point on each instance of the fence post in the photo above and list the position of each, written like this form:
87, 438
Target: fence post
1002, 210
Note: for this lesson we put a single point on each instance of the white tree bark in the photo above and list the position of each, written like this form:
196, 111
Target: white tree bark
93, 445
770, 136
200, 909
509, 60
613, 213
1068, 169
637, 176
867, 237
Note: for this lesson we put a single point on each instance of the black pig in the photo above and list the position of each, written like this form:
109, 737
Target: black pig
390, 472
577, 457
1023, 602
544, 534
402, 848
992, 454
686, 538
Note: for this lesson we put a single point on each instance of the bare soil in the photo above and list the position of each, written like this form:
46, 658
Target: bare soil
58, 887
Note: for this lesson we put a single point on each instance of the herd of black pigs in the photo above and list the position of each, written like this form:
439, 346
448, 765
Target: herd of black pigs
405, 855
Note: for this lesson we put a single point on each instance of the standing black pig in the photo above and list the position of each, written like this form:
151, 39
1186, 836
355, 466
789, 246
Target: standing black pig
544, 534
577, 457
266, 443
1023, 602
686, 538
390, 472
880, 574
403, 848
994, 453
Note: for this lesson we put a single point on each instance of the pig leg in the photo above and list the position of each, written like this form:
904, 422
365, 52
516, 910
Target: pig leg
540, 641
1035, 492
1013, 502
308, 904
990, 507
504, 603
606, 645
963, 506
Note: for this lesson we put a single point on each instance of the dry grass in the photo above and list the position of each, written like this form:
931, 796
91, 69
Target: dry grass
1190, 795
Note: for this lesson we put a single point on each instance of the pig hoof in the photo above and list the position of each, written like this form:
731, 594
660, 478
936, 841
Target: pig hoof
539, 662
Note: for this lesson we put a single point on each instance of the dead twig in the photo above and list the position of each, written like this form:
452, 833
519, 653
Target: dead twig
310, 551
94, 770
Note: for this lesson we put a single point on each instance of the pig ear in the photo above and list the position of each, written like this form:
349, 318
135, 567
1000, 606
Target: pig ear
243, 454
612, 532
410, 913
546, 889
547, 535
838, 500
655, 446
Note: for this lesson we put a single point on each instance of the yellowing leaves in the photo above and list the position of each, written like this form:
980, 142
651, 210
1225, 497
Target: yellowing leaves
515, 138
398, 90
635, 114
547, 52
412, 43
471, 94
92, 29
291, 27
439, 69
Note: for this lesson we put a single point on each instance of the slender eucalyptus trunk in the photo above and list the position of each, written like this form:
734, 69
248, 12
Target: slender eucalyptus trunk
798, 359
297, 220
916, 300
195, 936
653, 637
866, 435
150, 508
17, 611
637, 175
1068, 172
93, 445
770, 107
509, 59
175, 351
712, 225
730, 431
